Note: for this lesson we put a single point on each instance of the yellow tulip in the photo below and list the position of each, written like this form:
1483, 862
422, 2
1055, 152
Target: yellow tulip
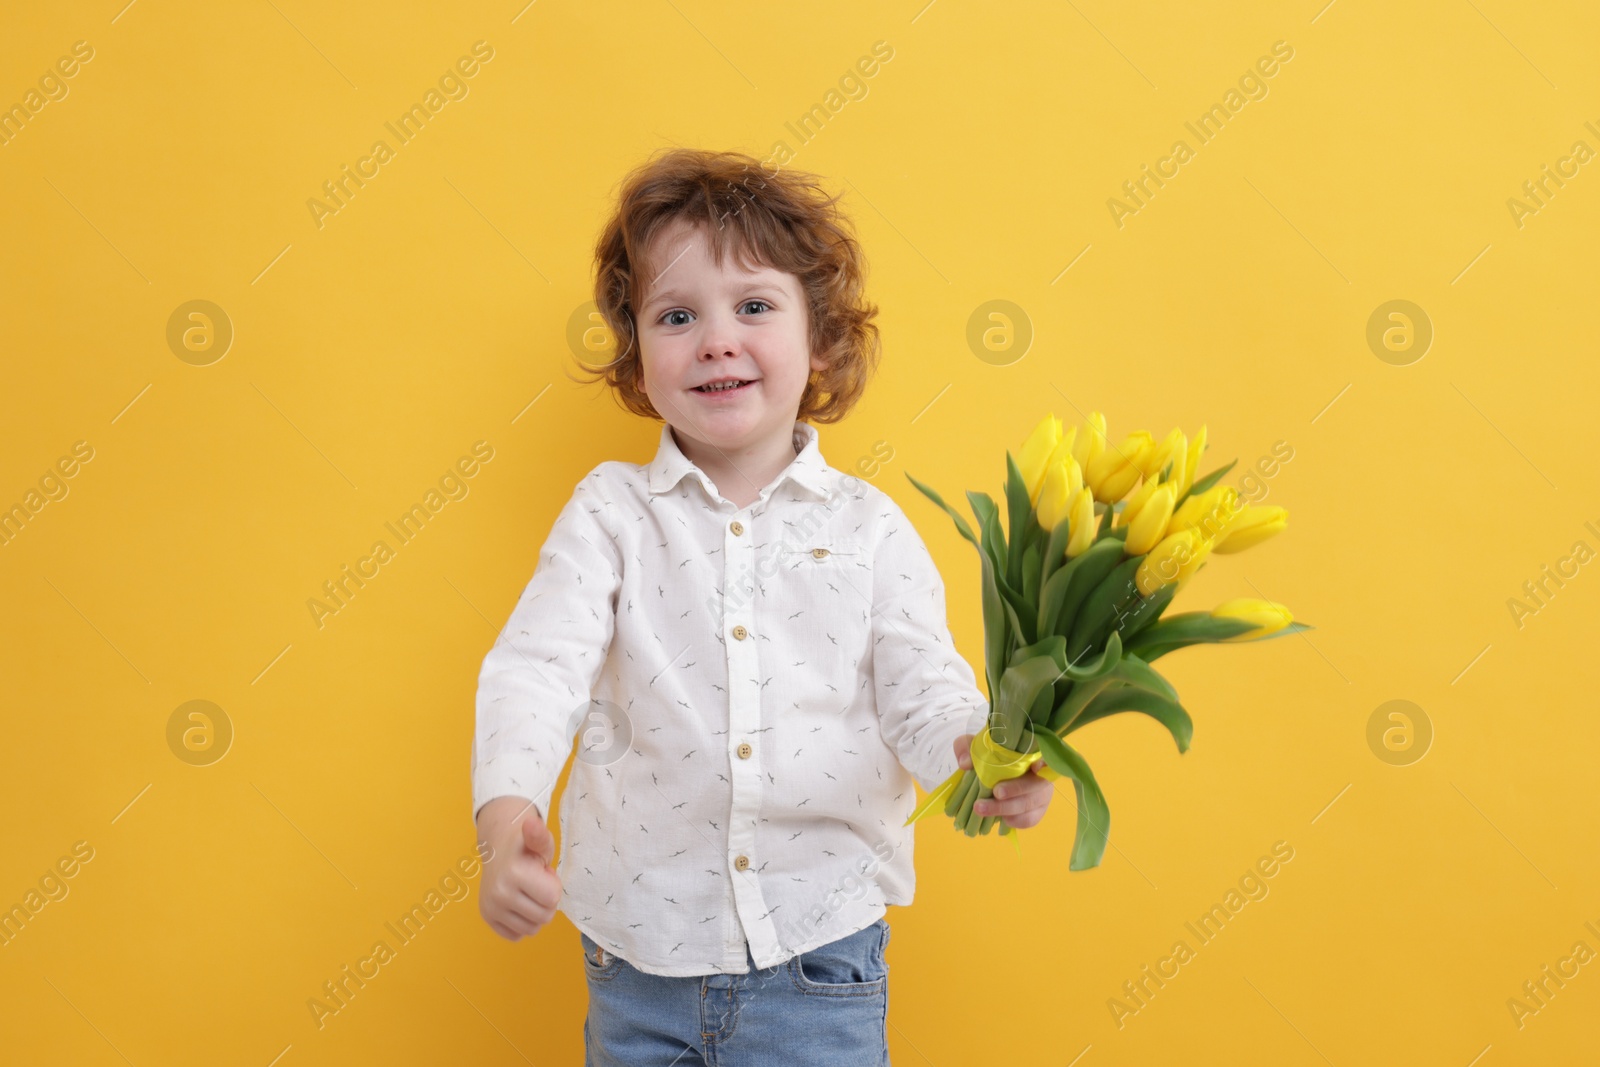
1114, 471
1093, 442
1083, 525
1192, 464
1251, 526
1137, 501
1074, 472
1036, 453
1268, 615
1202, 548
1177, 556
1174, 450
1150, 525
1053, 497
1209, 512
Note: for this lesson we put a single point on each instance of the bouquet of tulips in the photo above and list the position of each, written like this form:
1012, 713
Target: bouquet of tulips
1073, 597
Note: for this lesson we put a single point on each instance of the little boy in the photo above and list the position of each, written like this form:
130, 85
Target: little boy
750, 645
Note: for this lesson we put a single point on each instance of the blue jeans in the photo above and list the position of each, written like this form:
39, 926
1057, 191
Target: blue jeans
828, 1007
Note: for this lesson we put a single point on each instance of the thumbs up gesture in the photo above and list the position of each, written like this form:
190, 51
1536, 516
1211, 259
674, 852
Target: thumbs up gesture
519, 890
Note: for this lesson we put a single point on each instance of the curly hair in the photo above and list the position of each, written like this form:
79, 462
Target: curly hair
780, 219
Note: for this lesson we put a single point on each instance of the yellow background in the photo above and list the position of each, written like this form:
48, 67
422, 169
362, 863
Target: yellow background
370, 353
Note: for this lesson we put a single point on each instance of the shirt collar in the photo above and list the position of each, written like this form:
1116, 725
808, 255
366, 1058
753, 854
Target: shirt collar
808, 470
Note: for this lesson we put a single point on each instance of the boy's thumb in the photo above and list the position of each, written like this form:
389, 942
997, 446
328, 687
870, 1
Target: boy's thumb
537, 839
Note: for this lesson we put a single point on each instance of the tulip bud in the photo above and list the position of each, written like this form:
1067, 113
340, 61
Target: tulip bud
1192, 463
1053, 498
1150, 525
1209, 512
1074, 472
1036, 452
1251, 526
1114, 471
1268, 615
1174, 450
1092, 442
1203, 547
1137, 501
1083, 525
1171, 559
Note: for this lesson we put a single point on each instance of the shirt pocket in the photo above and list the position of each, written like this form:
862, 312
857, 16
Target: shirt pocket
819, 607
820, 550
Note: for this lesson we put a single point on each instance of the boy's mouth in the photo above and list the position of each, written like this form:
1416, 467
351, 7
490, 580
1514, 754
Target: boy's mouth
723, 388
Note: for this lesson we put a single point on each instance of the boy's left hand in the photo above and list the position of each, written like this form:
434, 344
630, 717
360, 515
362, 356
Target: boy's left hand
1021, 801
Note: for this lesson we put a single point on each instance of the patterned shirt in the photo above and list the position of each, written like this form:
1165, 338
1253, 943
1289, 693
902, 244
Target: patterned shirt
751, 690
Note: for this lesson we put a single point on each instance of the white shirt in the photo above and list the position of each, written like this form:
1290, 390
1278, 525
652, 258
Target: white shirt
765, 683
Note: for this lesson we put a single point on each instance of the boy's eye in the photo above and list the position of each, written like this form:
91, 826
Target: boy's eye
668, 320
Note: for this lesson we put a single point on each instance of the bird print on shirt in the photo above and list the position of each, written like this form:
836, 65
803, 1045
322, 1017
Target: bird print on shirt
831, 641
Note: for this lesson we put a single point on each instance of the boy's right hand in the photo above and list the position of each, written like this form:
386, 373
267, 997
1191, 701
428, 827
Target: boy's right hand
519, 890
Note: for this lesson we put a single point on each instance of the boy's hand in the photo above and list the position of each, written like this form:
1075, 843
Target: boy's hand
519, 890
1022, 801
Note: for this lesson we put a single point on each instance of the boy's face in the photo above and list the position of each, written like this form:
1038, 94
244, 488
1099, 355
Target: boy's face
699, 323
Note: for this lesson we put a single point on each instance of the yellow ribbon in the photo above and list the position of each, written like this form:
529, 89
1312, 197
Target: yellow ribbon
993, 763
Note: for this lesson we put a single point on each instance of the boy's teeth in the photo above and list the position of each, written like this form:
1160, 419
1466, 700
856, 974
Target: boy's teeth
720, 387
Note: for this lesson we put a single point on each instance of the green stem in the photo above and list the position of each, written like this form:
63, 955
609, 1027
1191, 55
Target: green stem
952, 803
965, 818
1076, 701
964, 808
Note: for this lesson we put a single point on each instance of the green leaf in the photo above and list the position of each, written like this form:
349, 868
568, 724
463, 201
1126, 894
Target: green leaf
1019, 688
961, 523
1055, 554
1204, 483
1148, 611
1156, 651
994, 625
1021, 524
1087, 681
1018, 631
1030, 576
1292, 628
1054, 646
1072, 705
1094, 620
1082, 575
1136, 672
1102, 664
1185, 628
1168, 713
1094, 816
988, 525
1043, 704
994, 543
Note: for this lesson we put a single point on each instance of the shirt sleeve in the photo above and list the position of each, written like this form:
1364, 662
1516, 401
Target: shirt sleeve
539, 675
927, 693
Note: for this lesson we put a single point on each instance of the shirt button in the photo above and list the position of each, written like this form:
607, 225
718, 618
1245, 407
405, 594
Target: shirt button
819, 552
744, 751
737, 527
742, 863
739, 632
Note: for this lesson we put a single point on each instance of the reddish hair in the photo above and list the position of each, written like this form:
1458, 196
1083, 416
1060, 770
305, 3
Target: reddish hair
779, 219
